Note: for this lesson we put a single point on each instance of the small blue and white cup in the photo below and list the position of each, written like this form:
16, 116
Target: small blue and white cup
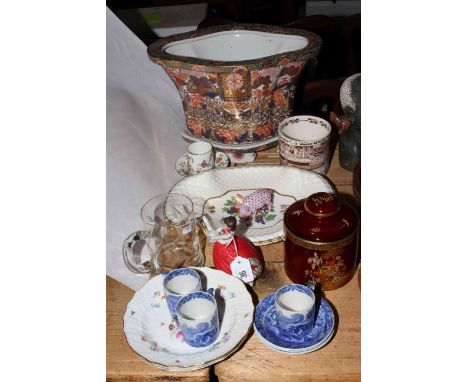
197, 314
177, 284
295, 309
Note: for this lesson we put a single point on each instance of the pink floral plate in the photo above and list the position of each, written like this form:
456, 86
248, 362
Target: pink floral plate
265, 224
155, 336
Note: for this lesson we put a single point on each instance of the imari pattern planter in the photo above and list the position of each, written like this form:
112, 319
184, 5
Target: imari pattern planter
236, 82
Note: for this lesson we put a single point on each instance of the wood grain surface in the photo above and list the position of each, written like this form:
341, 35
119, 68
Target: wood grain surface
339, 360
122, 363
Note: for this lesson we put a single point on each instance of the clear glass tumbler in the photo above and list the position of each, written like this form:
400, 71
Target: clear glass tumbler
170, 233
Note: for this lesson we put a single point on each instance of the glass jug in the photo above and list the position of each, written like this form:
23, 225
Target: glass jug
170, 234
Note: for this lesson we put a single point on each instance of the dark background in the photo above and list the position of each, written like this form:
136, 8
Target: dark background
318, 89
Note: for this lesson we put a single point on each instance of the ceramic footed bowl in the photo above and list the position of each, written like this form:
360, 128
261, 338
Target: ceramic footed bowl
236, 82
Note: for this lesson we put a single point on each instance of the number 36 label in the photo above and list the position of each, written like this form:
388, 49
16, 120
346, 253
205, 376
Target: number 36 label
241, 268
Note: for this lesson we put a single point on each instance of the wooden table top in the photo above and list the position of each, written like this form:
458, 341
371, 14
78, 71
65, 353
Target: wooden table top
339, 360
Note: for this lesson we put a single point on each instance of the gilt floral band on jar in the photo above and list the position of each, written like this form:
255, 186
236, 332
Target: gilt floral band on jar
236, 82
317, 245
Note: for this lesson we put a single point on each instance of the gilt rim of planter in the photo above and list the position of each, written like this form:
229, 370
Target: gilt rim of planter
313, 47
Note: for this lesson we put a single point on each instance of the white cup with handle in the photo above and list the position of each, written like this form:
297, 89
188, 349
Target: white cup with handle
199, 157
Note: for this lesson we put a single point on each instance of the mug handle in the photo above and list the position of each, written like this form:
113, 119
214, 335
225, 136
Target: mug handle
135, 241
315, 308
189, 158
316, 288
221, 159
341, 121
185, 162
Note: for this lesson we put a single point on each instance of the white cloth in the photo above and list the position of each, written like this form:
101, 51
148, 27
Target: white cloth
144, 121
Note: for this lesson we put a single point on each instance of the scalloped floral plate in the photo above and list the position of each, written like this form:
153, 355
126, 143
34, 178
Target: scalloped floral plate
155, 336
268, 333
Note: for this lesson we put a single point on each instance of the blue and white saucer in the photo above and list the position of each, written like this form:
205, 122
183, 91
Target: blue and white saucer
266, 328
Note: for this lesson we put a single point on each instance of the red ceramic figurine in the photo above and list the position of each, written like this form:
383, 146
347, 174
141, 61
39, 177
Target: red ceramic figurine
232, 250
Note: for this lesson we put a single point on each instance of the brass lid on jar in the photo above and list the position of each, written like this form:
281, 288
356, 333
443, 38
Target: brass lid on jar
321, 218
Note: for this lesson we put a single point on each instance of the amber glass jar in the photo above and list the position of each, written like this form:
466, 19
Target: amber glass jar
321, 241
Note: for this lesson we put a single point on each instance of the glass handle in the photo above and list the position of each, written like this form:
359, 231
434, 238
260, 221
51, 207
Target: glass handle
132, 247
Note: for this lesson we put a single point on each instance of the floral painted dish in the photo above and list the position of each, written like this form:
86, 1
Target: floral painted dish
155, 336
265, 225
284, 180
266, 328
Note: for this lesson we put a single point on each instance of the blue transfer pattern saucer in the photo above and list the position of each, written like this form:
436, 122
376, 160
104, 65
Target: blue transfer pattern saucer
266, 328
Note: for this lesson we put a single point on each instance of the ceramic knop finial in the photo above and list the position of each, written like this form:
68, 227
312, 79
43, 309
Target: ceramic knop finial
231, 222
